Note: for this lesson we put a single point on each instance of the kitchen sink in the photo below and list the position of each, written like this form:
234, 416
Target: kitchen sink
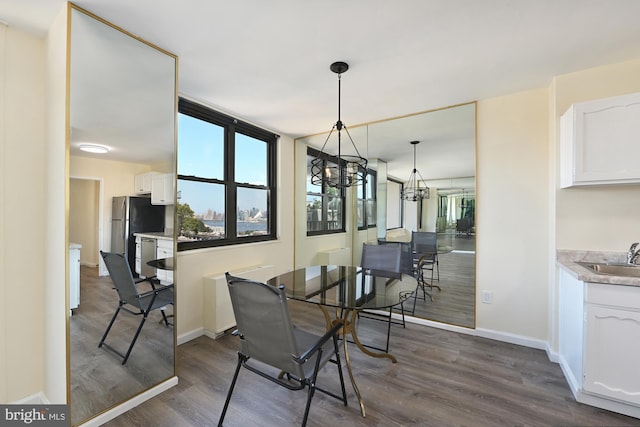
613, 269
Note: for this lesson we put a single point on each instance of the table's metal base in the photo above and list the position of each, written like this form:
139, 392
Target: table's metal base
348, 319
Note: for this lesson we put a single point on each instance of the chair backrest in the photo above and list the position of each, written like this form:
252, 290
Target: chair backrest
382, 260
424, 242
264, 323
121, 277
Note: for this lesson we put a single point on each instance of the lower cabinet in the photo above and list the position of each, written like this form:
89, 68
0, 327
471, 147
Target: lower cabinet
164, 249
612, 342
149, 247
599, 343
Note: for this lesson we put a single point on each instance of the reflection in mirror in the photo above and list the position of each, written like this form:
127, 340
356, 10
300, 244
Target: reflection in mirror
446, 160
122, 95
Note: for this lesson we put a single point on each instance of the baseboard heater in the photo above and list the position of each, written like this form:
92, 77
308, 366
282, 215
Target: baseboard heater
217, 311
338, 256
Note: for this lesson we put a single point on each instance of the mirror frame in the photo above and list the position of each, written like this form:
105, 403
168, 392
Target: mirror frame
171, 378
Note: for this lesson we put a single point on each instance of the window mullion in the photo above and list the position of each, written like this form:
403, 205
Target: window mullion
232, 188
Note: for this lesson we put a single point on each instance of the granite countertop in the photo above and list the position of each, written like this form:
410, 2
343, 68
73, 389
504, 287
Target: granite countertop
568, 259
161, 235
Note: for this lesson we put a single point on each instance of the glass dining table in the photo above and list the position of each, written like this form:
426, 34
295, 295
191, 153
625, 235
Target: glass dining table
346, 291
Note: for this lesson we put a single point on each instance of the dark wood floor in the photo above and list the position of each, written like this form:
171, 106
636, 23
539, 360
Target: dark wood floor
98, 379
442, 378
455, 302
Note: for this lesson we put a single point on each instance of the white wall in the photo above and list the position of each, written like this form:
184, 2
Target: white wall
512, 213
22, 90
84, 198
55, 199
597, 218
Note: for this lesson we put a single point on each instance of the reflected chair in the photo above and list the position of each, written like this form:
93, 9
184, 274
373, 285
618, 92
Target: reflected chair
267, 336
141, 303
425, 258
386, 260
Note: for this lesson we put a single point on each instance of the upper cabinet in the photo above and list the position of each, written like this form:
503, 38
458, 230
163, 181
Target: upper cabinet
162, 189
143, 182
599, 142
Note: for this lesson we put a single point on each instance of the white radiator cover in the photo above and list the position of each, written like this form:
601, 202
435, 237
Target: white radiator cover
218, 311
338, 256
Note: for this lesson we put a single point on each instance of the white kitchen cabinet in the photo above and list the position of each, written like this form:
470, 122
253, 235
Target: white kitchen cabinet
143, 182
138, 259
599, 343
162, 189
74, 275
571, 326
612, 342
164, 249
599, 142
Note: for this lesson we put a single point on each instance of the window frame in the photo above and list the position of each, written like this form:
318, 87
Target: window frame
401, 203
232, 126
312, 152
373, 176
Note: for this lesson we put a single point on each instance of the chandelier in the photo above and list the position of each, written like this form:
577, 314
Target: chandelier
347, 169
412, 191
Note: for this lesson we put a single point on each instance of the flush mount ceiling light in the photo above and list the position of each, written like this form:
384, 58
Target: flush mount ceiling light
94, 148
412, 191
346, 170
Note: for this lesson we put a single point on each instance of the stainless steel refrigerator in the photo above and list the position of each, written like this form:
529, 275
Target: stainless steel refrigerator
129, 215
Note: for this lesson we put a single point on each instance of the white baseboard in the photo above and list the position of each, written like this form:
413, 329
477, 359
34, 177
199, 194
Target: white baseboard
35, 399
130, 404
512, 338
190, 335
486, 333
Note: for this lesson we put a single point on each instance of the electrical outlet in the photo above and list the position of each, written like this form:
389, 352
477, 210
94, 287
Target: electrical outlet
487, 297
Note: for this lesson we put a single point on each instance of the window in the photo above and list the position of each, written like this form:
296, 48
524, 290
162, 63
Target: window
394, 204
226, 179
325, 205
367, 214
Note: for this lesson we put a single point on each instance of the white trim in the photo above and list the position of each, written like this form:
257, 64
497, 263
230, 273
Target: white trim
130, 404
486, 333
35, 399
192, 335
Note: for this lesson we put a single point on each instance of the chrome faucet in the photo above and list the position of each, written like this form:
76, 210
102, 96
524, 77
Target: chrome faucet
633, 255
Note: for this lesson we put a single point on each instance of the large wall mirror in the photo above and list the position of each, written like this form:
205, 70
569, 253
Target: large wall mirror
122, 97
446, 159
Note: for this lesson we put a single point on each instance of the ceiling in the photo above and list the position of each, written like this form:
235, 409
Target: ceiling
268, 62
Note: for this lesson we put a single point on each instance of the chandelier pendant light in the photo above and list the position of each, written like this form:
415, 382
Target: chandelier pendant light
412, 191
347, 169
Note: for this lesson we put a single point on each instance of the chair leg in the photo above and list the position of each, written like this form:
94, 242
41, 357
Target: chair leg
231, 387
386, 350
312, 388
337, 353
135, 338
164, 316
104, 337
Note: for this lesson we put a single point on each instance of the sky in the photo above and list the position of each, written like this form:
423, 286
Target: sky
201, 153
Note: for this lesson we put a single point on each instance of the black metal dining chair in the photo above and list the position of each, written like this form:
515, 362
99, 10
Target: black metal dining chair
388, 260
267, 336
158, 298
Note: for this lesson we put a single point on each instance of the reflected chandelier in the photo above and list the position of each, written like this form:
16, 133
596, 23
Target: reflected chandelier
347, 170
412, 191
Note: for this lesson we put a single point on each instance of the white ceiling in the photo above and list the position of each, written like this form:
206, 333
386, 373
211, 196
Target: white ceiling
268, 62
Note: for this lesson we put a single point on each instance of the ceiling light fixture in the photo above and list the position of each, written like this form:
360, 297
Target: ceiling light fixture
412, 191
348, 169
94, 148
